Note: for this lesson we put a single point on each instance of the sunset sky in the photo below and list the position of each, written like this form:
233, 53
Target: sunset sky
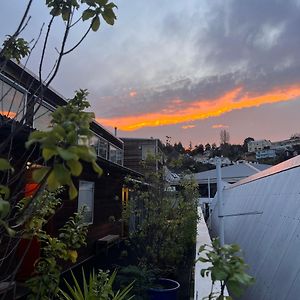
185, 69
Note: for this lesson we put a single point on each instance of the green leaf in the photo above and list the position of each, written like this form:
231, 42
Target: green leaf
66, 154
4, 190
48, 153
59, 130
61, 174
87, 14
85, 153
72, 191
109, 16
39, 174
35, 137
95, 23
101, 2
4, 208
55, 11
52, 182
4, 164
96, 168
66, 13
75, 167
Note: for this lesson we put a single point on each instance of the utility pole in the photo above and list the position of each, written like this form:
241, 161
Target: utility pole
220, 201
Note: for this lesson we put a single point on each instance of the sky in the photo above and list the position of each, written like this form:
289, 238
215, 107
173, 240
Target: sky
183, 69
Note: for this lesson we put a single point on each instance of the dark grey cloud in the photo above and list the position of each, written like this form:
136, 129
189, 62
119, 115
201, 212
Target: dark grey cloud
180, 93
252, 34
254, 44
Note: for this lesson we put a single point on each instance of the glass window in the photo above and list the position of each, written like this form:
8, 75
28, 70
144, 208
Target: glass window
94, 142
100, 145
86, 199
112, 153
42, 118
120, 157
12, 101
103, 148
147, 150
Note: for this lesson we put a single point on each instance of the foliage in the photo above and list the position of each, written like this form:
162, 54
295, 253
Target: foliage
92, 9
185, 163
61, 145
226, 267
64, 147
143, 279
44, 283
163, 223
16, 48
97, 287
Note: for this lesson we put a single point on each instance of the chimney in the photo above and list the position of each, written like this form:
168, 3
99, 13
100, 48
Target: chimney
116, 131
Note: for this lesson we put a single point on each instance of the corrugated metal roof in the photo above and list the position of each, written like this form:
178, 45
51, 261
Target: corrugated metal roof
270, 240
284, 166
231, 173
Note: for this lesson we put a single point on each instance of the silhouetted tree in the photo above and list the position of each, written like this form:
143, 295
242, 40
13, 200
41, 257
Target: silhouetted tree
207, 147
224, 137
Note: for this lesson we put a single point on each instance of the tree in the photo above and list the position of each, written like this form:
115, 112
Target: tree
61, 155
163, 222
179, 148
246, 141
199, 149
224, 137
207, 147
295, 136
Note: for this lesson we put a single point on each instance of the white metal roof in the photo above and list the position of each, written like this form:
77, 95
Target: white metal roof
231, 173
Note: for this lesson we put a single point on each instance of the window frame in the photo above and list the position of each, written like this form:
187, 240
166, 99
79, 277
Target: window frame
93, 200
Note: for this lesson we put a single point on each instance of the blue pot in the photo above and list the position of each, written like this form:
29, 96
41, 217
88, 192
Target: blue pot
168, 290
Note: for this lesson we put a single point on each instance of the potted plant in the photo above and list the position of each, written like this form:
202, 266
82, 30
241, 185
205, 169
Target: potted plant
146, 285
165, 289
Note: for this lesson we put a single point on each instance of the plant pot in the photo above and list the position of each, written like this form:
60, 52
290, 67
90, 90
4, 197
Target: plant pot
167, 290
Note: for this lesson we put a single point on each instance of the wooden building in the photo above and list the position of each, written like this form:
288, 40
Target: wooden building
136, 151
102, 195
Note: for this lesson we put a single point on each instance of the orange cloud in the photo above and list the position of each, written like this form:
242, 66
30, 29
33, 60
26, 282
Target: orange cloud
219, 126
203, 109
9, 114
132, 93
188, 126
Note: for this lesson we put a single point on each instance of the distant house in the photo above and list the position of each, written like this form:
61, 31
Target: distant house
266, 153
136, 151
207, 180
103, 195
254, 146
285, 144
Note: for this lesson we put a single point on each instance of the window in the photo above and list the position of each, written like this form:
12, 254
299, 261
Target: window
112, 153
147, 150
42, 117
94, 142
120, 157
103, 148
12, 101
100, 145
86, 198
